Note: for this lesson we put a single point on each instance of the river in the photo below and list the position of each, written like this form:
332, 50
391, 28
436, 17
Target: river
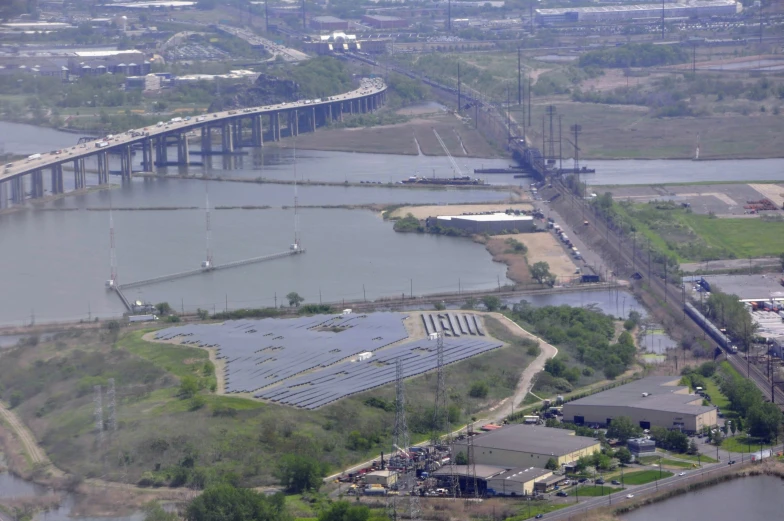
55, 262
753, 498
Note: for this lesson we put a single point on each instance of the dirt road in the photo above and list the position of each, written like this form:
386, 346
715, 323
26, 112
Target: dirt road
37, 455
524, 384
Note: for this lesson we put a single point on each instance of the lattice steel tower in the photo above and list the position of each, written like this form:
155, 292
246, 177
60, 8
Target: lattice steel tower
402, 440
98, 415
440, 411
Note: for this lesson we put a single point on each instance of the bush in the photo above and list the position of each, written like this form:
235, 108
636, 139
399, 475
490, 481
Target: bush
478, 390
534, 350
197, 402
16, 399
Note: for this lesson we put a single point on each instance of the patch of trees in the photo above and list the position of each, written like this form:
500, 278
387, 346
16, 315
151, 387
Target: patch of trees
407, 90
321, 77
299, 473
674, 440
728, 311
623, 428
587, 332
225, 502
762, 419
634, 55
247, 313
409, 223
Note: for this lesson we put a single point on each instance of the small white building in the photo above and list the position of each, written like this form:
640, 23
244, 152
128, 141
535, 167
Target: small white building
367, 355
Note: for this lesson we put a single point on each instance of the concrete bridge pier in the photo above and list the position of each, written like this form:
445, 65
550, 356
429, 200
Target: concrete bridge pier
17, 190
256, 131
37, 188
79, 178
227, 143
103, 168
3, 195
126, 162
340, 112
57, 179
313, 119
206, 139
161, 150
236, 132
183, 154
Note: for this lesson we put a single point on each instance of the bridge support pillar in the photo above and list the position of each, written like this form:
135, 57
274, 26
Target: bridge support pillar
206, 139
313, 119
79, 178
340, 112
183, 153
257, 131
17, 190
236, 131
103, 168
3, 195
329, 113
147, 163
37, 188
276, 128
57, 179
161, 151
126, 165
226, 138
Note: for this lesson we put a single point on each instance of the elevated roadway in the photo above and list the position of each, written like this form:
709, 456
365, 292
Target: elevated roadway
25, 178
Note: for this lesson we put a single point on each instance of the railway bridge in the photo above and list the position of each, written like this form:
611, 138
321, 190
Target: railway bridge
248, 127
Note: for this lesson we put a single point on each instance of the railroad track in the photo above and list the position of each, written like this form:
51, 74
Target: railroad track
628, 259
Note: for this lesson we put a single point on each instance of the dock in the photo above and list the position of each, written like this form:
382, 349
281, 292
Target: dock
511, 170
119, 289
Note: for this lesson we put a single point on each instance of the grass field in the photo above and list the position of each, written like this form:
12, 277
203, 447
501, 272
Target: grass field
676, 463
596, 490
534, 508
645, 476
742, 443
742, 237
692, 457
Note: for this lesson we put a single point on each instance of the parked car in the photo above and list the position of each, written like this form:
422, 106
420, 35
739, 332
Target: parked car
615, 482
600, 481
562, 494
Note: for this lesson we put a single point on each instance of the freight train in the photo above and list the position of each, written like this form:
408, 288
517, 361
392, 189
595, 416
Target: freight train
714, 332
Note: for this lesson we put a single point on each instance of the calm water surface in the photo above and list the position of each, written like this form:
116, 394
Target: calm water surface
754, 499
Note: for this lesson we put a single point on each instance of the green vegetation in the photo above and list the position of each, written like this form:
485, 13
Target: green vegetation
174, 431
743, 444
634, 55
225, 502
675, 441
596, 490
516, 246
676, 463
585, 336
321, 77
406, 91
535, 508
298, 473
645, 476
409, 223
729, 312
623, 428
540, 271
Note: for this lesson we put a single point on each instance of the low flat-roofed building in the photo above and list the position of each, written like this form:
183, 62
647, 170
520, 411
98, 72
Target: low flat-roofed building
492, 480
517, 482
639, 446
527, 446
328, 23
548, 483
384, 22
385, 478
493, 223
656, 401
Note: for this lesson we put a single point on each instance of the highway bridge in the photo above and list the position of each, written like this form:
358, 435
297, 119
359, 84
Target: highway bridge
237, 128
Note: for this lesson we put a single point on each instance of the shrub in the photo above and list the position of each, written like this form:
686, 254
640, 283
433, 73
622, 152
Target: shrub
478, 390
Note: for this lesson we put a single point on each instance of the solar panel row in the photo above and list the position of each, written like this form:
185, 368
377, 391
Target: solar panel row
308, 362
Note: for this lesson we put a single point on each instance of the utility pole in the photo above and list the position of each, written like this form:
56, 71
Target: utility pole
519, 79
662, 28
529, 100
560, 142
266, 16
449, 16
459, 93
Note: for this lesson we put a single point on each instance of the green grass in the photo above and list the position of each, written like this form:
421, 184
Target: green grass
645, 476
692, 457
742, 443
537, 507
596, 490
717, 398
676, 463
743, 237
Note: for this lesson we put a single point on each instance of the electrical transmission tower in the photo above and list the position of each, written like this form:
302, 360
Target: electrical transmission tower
407, 484
472, 457
551, 111
112, 408
98, 415
440, 411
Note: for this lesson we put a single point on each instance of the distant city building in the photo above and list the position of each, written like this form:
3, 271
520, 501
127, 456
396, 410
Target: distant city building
686, 9
161, 5
149, 82
339, 41
328, 23
384, 22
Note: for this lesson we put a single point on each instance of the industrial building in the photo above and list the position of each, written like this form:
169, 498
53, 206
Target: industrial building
493, 480
656, 401
385, 478
384, 22
687, 9
639, 446
488, 223
328, 23
527, 446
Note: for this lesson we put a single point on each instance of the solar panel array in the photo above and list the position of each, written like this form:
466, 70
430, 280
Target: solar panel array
309, 362
452, 324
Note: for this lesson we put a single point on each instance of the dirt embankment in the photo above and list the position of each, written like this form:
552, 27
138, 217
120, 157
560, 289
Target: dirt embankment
425, 211
542, 247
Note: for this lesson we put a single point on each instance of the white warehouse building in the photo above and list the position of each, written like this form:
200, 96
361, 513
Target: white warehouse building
686, 9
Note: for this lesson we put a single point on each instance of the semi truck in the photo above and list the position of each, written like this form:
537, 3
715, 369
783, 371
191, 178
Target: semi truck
142, 318
34, 157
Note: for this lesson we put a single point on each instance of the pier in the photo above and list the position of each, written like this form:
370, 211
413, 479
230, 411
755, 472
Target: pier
119, 289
